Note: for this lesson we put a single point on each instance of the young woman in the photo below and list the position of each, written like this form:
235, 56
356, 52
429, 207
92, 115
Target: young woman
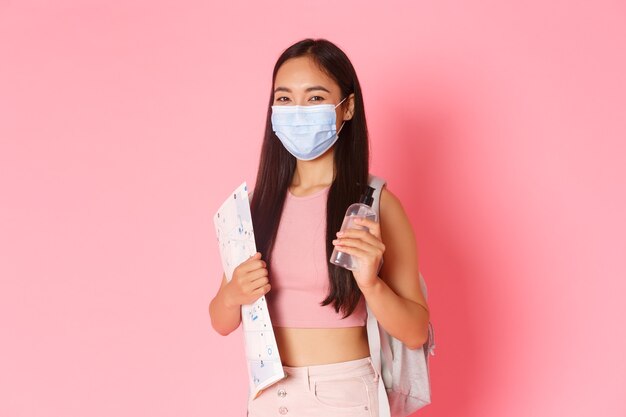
315, 163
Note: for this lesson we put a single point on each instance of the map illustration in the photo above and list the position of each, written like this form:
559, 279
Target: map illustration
235, 237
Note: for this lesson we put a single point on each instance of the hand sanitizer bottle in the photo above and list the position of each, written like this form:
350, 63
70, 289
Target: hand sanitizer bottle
362, 209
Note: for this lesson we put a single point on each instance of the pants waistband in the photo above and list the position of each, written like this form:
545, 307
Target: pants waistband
356, 367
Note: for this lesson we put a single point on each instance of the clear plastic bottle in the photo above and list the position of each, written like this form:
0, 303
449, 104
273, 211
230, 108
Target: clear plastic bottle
362, 209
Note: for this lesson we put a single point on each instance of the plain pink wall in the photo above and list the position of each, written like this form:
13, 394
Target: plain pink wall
123, 127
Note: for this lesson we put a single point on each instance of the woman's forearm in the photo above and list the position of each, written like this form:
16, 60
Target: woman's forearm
225, 317
404, 319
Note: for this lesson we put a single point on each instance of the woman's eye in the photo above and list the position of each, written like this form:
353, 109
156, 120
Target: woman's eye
316, 98
282, 99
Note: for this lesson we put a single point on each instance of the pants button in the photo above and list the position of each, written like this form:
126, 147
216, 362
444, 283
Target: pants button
282, 393
283, 410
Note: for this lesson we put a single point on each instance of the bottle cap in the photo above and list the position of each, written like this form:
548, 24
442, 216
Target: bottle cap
367, 197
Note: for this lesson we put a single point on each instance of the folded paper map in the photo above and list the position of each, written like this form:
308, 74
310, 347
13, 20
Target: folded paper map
235, 237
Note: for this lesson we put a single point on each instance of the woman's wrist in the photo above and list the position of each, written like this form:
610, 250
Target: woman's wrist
372, 290
227, 300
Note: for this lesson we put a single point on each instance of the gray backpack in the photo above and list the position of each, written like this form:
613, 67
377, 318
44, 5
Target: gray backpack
404, 386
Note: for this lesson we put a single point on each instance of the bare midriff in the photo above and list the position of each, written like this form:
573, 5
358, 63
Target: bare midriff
306, 347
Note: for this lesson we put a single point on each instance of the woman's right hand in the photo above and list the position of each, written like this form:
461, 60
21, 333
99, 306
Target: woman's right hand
249, 282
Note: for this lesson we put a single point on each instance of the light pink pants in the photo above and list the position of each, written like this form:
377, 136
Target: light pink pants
343, 389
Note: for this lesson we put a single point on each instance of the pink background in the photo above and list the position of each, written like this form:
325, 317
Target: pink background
123, 127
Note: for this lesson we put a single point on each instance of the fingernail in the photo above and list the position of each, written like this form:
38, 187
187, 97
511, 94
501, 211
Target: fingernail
339, 233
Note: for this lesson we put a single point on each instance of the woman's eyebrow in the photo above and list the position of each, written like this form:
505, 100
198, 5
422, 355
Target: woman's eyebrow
317, 87
308, 90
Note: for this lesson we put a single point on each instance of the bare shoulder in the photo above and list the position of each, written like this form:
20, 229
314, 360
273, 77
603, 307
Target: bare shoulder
391, 209
388, 199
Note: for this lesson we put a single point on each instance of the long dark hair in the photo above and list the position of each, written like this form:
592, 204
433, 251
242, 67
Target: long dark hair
351, 158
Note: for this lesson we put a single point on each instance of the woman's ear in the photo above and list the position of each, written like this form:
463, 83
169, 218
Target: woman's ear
349, 111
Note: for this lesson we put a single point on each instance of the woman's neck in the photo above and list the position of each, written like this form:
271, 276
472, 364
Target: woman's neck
311, 175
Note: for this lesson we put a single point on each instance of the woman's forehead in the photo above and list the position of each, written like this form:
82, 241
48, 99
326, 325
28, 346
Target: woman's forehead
302, 72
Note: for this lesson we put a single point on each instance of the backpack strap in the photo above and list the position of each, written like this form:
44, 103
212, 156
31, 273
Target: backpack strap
379, 346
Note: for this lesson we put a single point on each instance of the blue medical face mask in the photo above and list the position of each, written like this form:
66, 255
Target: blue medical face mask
306, 131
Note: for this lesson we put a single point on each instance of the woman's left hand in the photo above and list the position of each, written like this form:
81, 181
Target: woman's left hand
366, 246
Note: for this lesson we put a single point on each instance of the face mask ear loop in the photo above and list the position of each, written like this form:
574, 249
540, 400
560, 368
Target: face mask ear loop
344, 99
344, 122
340, 127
